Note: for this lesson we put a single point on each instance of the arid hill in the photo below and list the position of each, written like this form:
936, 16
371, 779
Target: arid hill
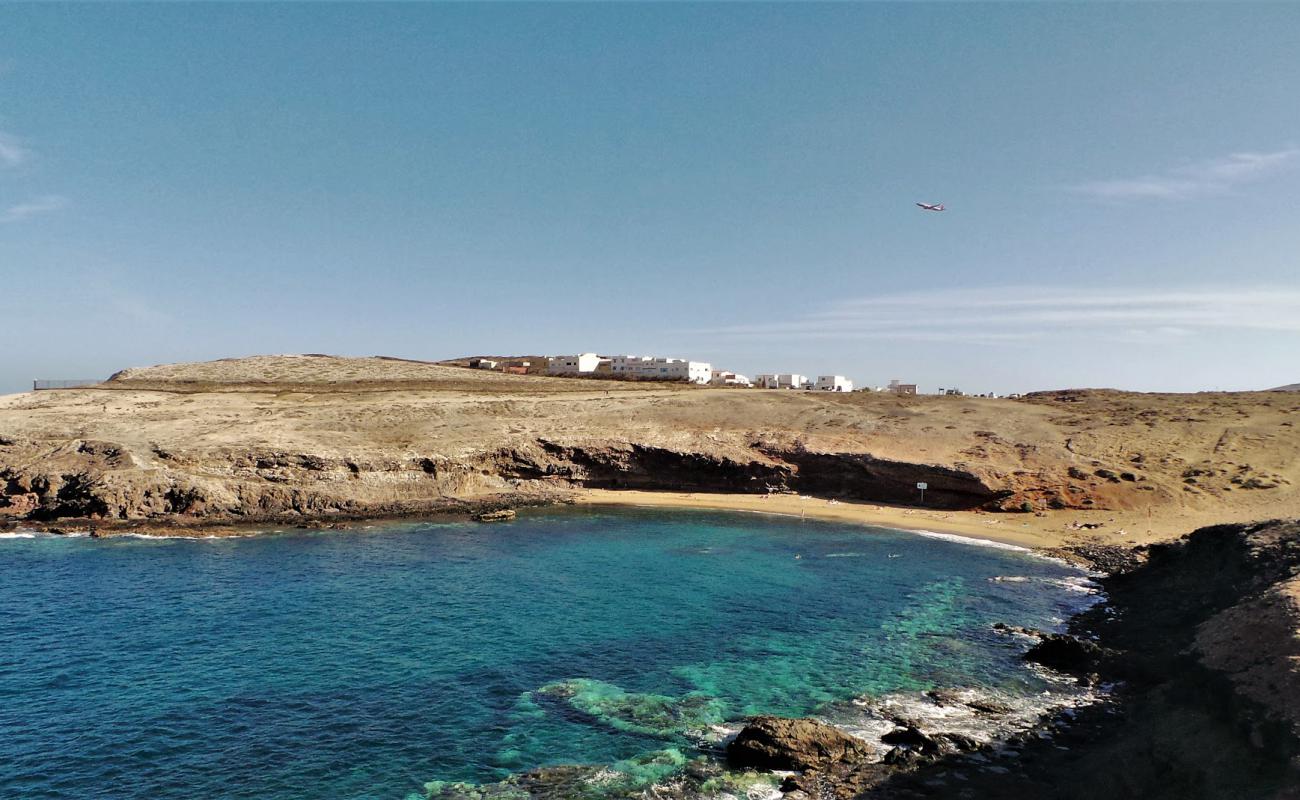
315, 436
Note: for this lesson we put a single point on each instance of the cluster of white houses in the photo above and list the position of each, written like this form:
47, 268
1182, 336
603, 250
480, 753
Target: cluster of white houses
680, 369
792, 380
656, 368
634, 368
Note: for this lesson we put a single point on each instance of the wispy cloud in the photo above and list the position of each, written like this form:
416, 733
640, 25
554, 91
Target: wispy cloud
12, 151
30, 208
1015, 314
1194, 180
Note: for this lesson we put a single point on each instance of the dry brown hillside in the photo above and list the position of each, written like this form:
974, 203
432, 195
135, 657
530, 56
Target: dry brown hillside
316, 435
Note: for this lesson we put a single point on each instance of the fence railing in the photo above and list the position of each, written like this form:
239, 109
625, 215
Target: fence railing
44, 384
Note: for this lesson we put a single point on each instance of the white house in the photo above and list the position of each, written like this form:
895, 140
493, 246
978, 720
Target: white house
664, 369
783, 380
833, 383
572, 365
724, 378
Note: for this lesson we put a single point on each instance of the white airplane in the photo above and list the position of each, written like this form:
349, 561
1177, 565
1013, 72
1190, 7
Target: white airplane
932, 206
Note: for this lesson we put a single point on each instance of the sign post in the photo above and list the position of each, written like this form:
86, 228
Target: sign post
923, 486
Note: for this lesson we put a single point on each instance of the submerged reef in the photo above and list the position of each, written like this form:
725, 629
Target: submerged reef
664, 774
649, 714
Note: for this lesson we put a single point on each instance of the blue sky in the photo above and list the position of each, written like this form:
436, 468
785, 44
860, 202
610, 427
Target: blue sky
732, 183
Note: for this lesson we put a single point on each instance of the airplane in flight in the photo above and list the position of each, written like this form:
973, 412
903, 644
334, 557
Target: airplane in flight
932, 206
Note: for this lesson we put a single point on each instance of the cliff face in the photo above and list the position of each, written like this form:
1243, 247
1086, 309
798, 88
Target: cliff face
100, 480
261, 437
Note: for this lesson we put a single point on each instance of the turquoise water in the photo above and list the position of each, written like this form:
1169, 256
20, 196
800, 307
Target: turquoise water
363, 664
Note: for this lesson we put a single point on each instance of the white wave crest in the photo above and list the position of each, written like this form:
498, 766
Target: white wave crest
1074, 583
988, 717
971, 540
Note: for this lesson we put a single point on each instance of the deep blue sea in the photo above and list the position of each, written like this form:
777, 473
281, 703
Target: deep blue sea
366, 663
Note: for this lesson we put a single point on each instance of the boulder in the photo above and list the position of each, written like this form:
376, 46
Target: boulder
799, 744
1065, 653
910, 736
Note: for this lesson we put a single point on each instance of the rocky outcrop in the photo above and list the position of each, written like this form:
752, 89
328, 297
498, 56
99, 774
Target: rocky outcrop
1257, 645
801, 744
1200, 644
1067, 653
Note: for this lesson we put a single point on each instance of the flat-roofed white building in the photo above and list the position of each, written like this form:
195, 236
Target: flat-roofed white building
724, 378
628, 366
678, 369
663, 369
833, 383
572, 365
782, 380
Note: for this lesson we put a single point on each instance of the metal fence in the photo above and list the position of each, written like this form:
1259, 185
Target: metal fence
42, 384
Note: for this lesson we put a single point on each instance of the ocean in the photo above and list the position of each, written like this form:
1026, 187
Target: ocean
396, 660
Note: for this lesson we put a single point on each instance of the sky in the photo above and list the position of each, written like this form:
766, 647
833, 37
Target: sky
729, 183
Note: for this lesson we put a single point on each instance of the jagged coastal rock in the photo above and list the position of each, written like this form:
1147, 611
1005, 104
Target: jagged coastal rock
800, 744
1199, 644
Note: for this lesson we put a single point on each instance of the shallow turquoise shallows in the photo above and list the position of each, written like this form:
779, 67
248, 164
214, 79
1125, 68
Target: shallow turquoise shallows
366, 663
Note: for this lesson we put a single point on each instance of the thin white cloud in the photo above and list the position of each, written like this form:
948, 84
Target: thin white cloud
12, 151
30, 208
1007, 315
1194, 180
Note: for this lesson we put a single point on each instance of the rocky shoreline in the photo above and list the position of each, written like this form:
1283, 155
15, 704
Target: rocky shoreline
1192, 710
1190, 704
180, 526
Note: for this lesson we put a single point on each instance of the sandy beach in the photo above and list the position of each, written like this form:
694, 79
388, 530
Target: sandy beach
1042, 530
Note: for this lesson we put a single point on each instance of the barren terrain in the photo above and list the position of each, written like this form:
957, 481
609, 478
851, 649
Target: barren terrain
317, 436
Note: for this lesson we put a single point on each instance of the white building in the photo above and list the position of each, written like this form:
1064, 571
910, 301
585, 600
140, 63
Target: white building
663, 369
724, 378
783, 380
628, 366
572, 365
833, 383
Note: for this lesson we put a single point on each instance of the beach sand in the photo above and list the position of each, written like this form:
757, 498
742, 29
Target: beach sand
1046, 529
